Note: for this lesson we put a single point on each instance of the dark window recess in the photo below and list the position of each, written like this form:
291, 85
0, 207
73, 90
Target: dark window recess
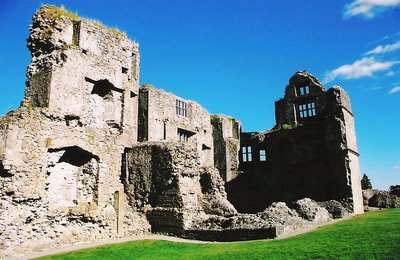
75, 155
181, 108
205, 147
76, 32
304, 90
165, 131
72, 120
3, 172
133, 94
263, 155
246, 154
124, 70
307, 110
206, 184
103, 88
184, 135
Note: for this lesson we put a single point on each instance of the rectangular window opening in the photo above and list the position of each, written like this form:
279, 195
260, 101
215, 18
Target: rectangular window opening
263, 155
307, 110
304, 90
181, 108
246, 154
184, 135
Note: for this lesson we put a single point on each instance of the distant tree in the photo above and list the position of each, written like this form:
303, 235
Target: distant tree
366, 182
395, 190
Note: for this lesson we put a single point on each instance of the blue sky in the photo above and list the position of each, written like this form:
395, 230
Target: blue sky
236, 57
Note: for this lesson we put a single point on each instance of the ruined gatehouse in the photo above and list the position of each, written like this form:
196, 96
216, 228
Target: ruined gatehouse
90, 156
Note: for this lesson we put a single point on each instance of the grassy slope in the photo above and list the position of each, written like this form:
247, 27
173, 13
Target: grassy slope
374, 235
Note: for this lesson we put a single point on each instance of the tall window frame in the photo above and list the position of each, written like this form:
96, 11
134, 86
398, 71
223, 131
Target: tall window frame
247, 154
263, 155
304, 90
181, 108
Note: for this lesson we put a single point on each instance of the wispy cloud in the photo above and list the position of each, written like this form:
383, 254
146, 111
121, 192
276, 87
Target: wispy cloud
384, 48
368, 8
387, 37
394, 91
366, 67
376, 88
396, 168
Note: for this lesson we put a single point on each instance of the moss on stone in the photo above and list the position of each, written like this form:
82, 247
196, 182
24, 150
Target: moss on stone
91, 139
147, 86
113, 30
215, 120
49, 142
53, 13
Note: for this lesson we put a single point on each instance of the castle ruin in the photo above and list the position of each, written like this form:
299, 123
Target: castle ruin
90, 156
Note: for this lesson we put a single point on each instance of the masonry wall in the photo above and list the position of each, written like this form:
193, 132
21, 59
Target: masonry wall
226, 139
306, 155
165, 180
61, 151
92, 78
160, 121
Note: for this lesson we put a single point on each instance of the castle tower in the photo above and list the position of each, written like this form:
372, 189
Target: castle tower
311, 152
82, 70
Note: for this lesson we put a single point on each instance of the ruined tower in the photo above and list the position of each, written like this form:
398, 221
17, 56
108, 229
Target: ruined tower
311, 152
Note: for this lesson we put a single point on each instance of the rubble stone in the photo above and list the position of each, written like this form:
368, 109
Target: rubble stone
310, 210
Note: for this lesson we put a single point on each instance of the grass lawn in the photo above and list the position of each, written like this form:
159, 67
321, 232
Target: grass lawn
374, 235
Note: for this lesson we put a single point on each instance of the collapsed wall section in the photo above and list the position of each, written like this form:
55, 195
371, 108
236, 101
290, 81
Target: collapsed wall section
58, 183
226, 140
166, 181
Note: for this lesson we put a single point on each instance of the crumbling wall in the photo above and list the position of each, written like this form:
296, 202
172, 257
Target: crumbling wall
82, 70
311, 152
60, 152
226, 139
164, 122
166, 181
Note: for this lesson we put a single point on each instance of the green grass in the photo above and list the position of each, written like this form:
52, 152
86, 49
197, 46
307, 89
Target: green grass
374, 235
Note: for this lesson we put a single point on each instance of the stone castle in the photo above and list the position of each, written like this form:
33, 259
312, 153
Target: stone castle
90, 156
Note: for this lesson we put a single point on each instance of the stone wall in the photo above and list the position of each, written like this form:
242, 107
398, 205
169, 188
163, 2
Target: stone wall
91, 79
60, 152
165, 180
160, 119
226, 139
306, 155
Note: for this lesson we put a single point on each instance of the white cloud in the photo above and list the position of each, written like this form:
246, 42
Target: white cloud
368, 8
365, 67
384, 48
393, 91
